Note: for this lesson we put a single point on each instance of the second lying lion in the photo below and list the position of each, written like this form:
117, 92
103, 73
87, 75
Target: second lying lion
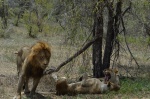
88, 85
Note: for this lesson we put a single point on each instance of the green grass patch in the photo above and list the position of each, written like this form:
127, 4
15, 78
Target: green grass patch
134, 40
134, 86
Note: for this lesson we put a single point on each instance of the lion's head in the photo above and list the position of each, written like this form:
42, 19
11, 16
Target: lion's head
112, 79
62, 86
31, 62
111, 75
40, 54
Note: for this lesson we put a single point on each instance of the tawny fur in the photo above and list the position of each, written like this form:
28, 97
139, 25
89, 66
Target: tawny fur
114, 76
31, 62
88, 85
21, 55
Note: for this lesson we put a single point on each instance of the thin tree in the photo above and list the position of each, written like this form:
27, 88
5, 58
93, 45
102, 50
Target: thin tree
4, 13
97, 46
112, 31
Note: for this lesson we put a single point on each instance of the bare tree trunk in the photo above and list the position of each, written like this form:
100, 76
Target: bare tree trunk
4, 14
97, 46
19, 16
30, 28
112, 32
109, 37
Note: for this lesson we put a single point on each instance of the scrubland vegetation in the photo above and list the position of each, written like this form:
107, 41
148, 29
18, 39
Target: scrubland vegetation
67, 26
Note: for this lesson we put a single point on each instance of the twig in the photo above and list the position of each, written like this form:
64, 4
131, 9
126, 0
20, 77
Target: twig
124, 31
128, 8
87, 39
142, 22
148, 58
51, 70
126, 71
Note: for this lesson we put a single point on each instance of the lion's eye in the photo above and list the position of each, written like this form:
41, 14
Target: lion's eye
41, 58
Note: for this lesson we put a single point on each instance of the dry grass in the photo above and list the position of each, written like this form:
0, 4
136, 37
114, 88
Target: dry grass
60, 52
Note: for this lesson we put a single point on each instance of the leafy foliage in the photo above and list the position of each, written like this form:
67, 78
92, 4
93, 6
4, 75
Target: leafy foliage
75, 17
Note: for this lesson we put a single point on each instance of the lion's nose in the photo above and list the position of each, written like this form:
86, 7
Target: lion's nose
45, 64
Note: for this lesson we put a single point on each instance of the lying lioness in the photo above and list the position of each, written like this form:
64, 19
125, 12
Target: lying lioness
89, 85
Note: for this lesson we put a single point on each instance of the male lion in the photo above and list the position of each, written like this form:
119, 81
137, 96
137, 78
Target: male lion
21, 55
31, 62
88, 85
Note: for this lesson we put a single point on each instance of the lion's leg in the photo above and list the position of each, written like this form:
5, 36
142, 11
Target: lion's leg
19, 65
84, 79
20, 84
26, 90
18, 69
35, 83
88, 82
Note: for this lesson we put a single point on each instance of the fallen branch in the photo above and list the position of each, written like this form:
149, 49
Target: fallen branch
53, 69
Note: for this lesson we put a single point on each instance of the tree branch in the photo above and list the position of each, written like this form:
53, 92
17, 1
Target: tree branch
128, 8
53, 69
124, 30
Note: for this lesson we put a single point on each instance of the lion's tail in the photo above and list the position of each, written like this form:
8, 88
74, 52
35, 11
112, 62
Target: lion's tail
16, 52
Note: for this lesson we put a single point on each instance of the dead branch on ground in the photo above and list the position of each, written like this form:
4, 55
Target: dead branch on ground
53, 69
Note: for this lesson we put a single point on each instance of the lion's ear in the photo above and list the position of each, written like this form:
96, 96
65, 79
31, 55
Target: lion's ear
35, 51
116, 70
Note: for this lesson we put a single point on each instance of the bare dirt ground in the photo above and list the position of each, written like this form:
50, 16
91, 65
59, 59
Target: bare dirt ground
46, 87
8, 71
